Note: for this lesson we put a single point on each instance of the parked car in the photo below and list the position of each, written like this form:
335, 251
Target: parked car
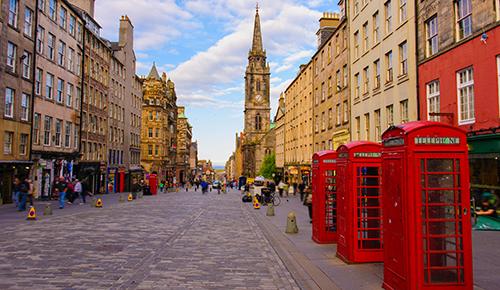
216, 185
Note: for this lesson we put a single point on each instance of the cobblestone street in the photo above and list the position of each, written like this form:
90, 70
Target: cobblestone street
172, 241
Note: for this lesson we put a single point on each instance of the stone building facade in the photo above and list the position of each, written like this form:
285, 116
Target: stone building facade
299, 126
17, 36
92, 165
193, 159
184, 138
257, 127
331, 83
383, 66
124, 112
158, 132
459, 78
58, 90
279, 121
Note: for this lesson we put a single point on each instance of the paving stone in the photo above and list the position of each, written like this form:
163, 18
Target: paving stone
174, 241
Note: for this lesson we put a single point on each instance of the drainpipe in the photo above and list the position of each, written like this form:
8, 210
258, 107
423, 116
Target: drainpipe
33, 70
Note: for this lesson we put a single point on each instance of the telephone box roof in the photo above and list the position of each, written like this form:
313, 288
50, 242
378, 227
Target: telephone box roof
410, 127
355, 144
323, 153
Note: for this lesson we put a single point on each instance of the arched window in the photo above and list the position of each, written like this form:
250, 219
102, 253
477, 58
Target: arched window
258, 85
258, 122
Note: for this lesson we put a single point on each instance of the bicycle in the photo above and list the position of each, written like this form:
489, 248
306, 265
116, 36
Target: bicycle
274, 199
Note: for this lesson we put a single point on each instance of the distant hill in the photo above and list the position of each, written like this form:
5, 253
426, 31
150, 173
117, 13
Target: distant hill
218, 167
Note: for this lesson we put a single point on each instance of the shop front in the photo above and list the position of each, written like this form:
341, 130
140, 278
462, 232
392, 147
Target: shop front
8, 170
297, 174
484, 162
92, 176
48, 167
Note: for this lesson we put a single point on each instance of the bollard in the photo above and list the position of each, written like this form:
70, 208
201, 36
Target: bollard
270, 210
93, 200
121, 198
139, 194
291, 224
47, 210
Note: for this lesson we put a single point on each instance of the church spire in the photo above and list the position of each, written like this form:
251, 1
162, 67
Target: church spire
257, 47
153, 74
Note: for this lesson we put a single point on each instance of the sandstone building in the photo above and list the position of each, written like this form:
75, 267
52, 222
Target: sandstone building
124, 113
383, 66
279, 121
184, 138
298, 145
58, 90
17, 36
159, 120
331, 79
92, 167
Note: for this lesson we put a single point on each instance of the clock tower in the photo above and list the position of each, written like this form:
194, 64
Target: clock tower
257, 88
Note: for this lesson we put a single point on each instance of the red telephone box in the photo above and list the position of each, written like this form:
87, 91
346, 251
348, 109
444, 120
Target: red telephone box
324, 188
359, 236
153, 184
427, 229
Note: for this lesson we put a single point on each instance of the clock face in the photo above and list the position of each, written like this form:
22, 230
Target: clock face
258, 98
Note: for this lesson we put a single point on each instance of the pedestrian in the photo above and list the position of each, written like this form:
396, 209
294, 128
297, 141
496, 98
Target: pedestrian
291, 190
204, 187
15, 191
295, 186
78, 190
70, 193
31, 192
62, 188
162, 186
302, 186
281, 188
308, 202
22, 193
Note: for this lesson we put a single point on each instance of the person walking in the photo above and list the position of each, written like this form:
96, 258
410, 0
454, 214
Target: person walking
308, 202
78, 189
302, 186
31, 192
62, 187
70, 193
16, 191
23, 190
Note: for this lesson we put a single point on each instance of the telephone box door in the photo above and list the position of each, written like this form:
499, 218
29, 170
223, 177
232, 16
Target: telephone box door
442, 243
368, 212
394, 231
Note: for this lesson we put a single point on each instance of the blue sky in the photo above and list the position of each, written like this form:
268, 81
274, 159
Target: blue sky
203, 46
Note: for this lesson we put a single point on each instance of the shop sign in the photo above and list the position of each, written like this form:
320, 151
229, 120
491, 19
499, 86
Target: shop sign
437, 140
367, 154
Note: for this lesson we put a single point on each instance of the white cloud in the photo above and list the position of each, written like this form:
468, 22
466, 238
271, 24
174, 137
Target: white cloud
286, 39
157, 26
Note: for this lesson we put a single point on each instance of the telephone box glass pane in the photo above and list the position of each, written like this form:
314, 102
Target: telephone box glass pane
441, 221
368, 207
330, 201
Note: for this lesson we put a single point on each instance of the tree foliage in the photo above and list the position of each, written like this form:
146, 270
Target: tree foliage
268, 167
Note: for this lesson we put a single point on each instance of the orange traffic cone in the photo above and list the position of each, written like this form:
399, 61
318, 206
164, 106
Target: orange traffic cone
130, 197
256, 204
98, 203
31, 214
